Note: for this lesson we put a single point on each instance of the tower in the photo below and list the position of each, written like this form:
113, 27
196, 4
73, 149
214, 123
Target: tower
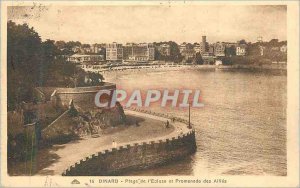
203, 45
204, 39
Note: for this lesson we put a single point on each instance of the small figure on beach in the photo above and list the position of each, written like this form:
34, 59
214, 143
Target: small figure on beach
137, 123
114, 144
167, 124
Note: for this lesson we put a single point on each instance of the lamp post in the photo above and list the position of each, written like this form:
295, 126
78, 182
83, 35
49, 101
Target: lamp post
189, 117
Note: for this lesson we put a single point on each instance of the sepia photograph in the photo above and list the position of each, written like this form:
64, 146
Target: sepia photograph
103, 91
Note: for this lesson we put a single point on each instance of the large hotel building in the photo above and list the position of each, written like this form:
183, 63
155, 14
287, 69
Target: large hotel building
114, 52
138, 52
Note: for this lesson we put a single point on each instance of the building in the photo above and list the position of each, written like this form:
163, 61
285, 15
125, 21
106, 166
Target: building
259, 39
86, 49
114, 52
275, 48
261, 50
164, 49
182, 47
241, 50
139, 52
218, 62
127, 50
96, 48
197, 48
283, 48
80, 58
204, 45
211, 49
230, 44
187, 50
219, 49
76, 49
188, 54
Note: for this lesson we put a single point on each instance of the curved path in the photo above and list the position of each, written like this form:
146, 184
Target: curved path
70, 153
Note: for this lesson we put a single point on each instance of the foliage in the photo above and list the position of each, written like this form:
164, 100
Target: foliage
174, 56
32, 62
198, 59
89, 79
243, 41
24, 57
271, 50
230, 51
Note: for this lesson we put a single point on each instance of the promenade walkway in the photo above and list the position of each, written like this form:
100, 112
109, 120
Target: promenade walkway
151, 129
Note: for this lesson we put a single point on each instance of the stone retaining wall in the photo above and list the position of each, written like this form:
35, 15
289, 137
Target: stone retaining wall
83, 97
135, 156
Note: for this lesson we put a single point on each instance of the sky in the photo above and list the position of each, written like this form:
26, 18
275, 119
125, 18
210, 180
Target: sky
153, 23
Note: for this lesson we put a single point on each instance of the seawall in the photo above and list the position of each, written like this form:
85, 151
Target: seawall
135, 156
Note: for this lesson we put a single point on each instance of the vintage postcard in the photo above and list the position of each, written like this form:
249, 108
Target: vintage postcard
149, 94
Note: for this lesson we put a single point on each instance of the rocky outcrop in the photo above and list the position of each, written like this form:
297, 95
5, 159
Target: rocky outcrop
96, 120
73, 124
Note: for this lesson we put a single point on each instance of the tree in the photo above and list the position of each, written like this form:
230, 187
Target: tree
60, 44
253, 49
23, 55
175, 52
198, 59
72, 44
81, 78
32, 63
95, 78
243, 41
230, 51
86, 45
273, 43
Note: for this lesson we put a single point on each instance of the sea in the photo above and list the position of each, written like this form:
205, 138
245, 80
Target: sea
241, 130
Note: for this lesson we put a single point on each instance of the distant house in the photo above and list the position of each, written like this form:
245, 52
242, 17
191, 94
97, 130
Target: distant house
182, 47
207, 55
275, 48
218, 62
87, 49
241, 50
261, 50
211, 49
95, 48
165, 49
209, 60
76, 49
283, 48
219, 49
188, 53
197, 48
